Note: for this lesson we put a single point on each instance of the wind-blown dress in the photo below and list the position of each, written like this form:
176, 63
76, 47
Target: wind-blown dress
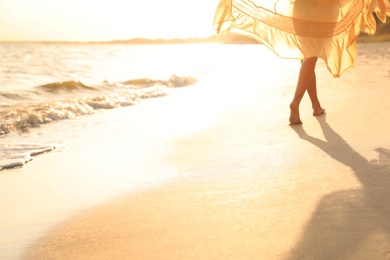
300, 29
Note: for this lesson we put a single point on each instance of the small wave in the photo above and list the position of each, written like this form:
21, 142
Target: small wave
12, 156
23, 117
11, 96
67, 86
173, 82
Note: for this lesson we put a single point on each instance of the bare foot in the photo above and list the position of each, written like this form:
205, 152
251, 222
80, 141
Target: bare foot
318, 111
294, 115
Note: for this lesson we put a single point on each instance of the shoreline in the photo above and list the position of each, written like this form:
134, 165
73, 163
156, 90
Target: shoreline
236, 180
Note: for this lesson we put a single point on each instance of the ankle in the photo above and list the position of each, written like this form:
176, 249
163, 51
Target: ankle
294, 105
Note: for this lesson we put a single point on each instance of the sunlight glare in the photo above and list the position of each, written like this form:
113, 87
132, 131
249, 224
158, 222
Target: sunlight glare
89, 20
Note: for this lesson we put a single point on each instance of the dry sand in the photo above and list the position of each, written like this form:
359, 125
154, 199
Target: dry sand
249, 186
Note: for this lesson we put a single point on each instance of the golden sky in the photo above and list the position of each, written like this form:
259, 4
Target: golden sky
101, 20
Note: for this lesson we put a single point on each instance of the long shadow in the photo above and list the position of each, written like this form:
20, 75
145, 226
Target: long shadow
349, 224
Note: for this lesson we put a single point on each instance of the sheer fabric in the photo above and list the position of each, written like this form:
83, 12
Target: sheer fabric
300, 29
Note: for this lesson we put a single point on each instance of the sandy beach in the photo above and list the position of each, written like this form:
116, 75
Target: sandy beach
230, 178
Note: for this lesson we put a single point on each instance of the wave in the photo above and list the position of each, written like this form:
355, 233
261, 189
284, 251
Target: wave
12, 156
173, 82
80, 99
11, 96
64, 86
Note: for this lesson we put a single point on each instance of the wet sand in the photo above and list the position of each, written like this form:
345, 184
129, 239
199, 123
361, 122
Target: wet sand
246, 186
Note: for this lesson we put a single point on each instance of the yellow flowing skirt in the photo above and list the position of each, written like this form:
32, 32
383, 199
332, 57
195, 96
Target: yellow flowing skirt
300, 29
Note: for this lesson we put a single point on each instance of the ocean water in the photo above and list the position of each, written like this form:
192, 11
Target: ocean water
44, 83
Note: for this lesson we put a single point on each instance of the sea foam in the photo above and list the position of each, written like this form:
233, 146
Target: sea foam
67, 100
12, 156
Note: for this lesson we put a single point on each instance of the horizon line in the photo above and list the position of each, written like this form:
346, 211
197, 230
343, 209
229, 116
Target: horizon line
139, 40
107, 41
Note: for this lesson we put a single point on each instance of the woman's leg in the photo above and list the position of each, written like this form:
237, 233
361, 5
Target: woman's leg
306, 75
312, 91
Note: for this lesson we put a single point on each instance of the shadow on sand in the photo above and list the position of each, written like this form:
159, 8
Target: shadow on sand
349, 224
